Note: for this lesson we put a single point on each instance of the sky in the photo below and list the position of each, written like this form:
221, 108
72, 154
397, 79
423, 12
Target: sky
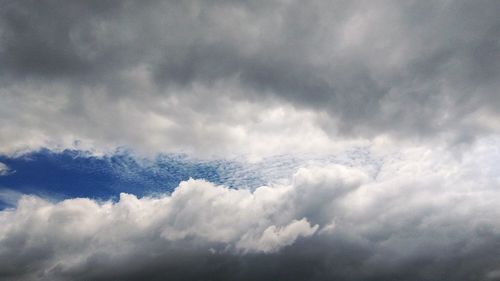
249, 140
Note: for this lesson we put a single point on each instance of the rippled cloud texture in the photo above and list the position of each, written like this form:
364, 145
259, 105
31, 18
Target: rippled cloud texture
326, 140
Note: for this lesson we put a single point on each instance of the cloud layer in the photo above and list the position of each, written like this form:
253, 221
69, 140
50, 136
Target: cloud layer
215, 76
424, 215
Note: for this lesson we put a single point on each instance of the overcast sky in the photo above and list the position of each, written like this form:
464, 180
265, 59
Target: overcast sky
232, 77
346, 140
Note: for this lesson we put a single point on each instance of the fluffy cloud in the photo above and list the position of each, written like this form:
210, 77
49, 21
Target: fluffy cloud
425, 214
208, 76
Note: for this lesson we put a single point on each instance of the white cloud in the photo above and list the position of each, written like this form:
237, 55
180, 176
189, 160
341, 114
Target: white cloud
4, 169
274, 238
423, 204
155, 123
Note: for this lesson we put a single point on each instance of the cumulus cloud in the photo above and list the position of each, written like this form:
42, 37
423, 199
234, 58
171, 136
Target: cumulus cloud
208, 75
424, 215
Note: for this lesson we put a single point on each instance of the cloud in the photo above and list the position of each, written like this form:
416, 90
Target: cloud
4, 169
409, 81
425, 215
9, 198
212, 76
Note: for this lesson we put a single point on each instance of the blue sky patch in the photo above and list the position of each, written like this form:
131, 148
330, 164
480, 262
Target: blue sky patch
73, 173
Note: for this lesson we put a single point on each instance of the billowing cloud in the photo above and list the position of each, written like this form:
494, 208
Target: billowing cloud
215, 76
424, 215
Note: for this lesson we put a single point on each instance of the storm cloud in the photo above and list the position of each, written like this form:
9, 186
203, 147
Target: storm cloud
97, 71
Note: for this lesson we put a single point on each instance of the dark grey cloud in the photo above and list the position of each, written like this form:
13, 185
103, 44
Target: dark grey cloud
413, 69
45, 38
